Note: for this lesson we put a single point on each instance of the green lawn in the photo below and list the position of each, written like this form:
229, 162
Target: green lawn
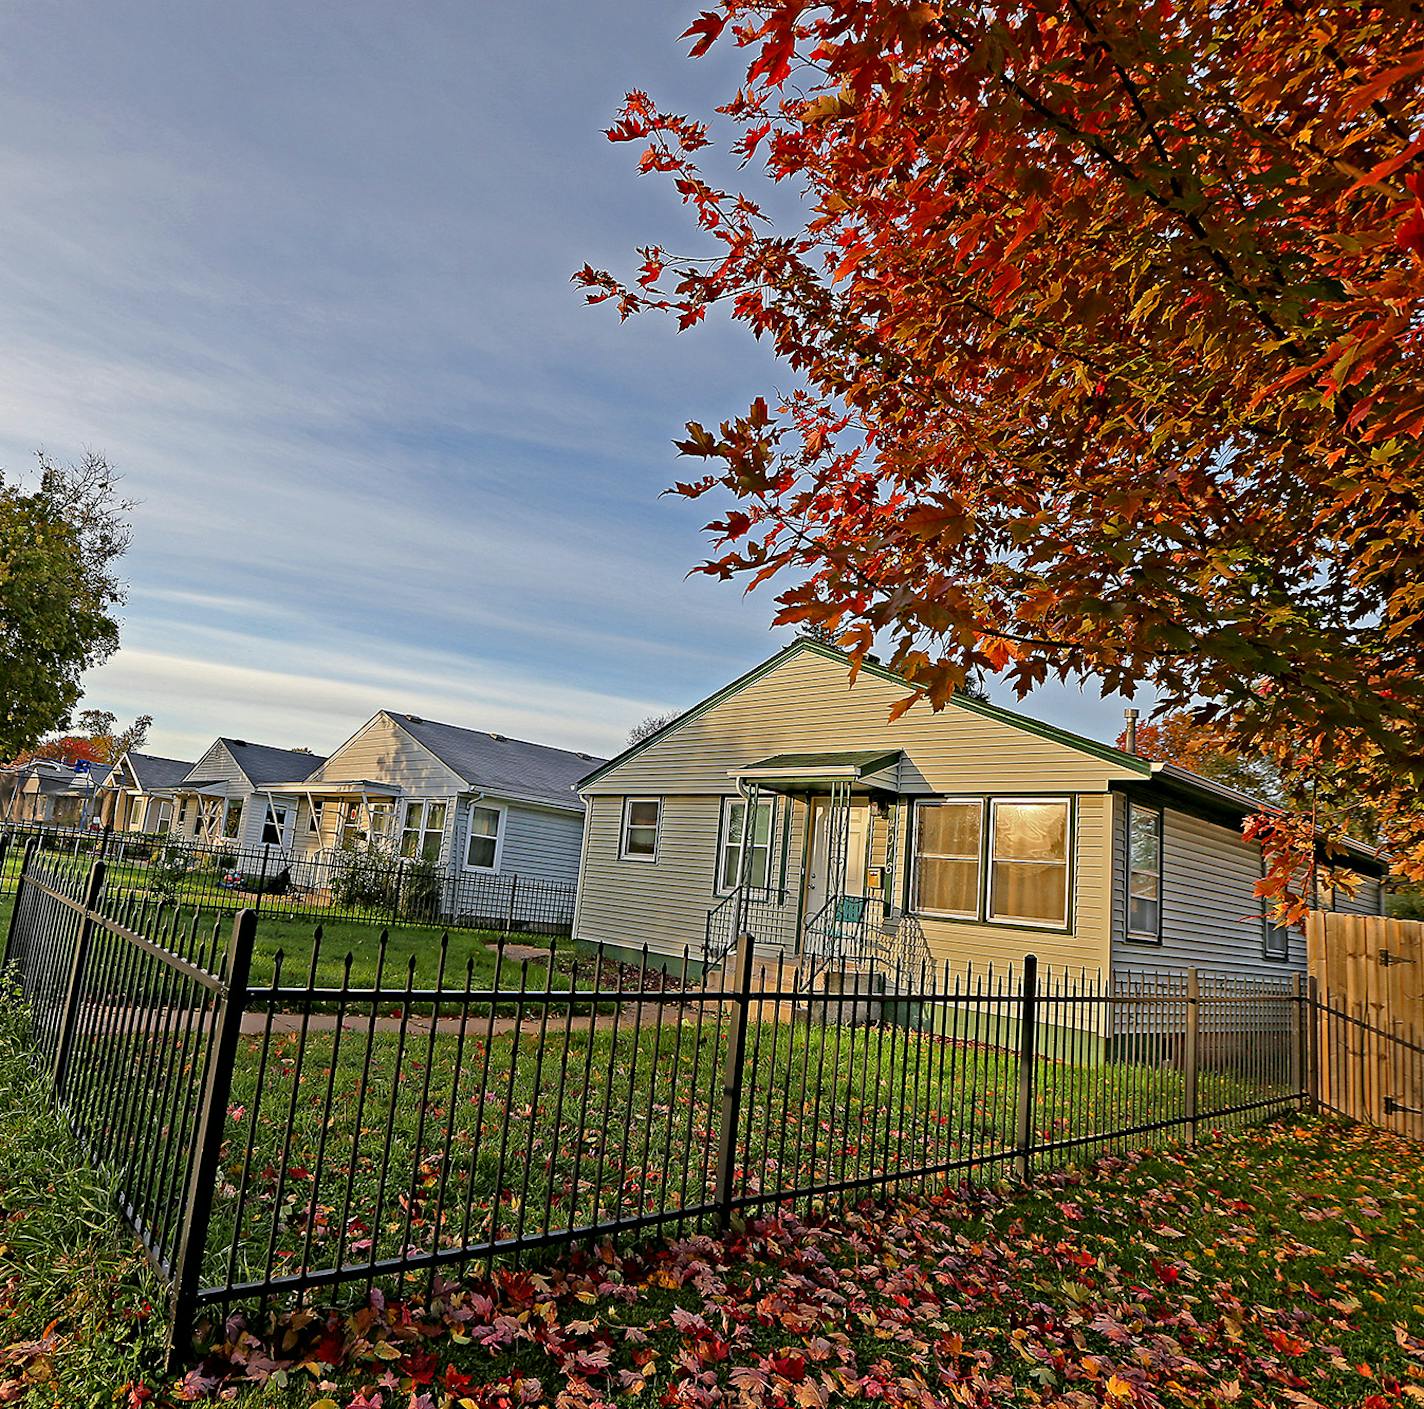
413, 954
1281, 1265
296, 940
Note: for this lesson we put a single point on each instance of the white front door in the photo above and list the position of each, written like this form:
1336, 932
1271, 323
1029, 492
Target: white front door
819, 854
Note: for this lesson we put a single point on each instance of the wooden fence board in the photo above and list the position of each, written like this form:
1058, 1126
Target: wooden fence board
1370, 976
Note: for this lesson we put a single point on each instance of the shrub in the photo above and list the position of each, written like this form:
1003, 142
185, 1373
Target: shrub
419, 890
167, 870
364, 877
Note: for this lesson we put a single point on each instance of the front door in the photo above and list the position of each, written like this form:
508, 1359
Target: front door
818, 869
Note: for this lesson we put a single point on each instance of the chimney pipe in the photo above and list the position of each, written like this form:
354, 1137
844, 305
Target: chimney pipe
1131, 716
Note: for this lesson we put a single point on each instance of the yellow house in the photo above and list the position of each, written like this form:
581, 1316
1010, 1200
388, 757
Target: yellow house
788, 805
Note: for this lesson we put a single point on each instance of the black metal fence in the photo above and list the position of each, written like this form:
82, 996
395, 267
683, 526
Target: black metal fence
355, 884
279, 1140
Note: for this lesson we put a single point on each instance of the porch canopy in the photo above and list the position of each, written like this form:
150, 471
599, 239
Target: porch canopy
359, 788
862, 771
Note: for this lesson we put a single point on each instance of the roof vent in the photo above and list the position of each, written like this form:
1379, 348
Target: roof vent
415, 719
498, 738
587, 757
242, 743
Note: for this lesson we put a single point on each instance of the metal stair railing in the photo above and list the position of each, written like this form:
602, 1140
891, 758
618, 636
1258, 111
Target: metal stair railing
859, 929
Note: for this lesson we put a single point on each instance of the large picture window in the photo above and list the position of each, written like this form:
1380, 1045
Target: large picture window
366, 823
734, 814
1144, 872
948, 846
423, 832
1028, 861
642, 817
482, 847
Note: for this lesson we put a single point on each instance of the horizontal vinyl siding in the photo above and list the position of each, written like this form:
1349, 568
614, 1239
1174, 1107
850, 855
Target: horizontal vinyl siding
538, 843
384, 753
806, 704
1211, 915
1368, 899
663, 904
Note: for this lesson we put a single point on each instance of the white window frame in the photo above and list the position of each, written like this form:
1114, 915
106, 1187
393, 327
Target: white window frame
969, 799
726, 841
623, 853
315, 807
227, 812
1019, 921
498, 837
424, 831
1141, 936
270, 819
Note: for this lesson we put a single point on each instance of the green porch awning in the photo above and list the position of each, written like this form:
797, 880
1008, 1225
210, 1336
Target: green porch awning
865, 770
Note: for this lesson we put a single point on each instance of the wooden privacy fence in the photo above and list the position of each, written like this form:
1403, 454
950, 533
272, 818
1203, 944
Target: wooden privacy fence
1368, 976
282, 1135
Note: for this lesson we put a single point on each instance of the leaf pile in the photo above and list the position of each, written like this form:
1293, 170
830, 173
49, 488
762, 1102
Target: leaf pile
1278, 1267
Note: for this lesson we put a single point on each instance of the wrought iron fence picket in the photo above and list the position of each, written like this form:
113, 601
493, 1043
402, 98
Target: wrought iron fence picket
284, 1138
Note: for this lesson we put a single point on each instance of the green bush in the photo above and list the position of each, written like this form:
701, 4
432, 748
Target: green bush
364, 877
419, 896
169, 866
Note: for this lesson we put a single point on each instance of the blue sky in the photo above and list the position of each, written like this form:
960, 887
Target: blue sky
302, 272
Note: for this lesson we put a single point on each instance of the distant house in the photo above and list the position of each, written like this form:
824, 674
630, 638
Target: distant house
473, 802
223, 797
52, 793
788, 802
139, 793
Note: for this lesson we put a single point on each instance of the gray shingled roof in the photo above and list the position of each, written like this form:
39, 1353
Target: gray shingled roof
154, 773
264, 764
501, 766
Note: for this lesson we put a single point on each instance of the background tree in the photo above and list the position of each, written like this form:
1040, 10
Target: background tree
1179, 737
59, 542
650, 725
96, 736
1107, 324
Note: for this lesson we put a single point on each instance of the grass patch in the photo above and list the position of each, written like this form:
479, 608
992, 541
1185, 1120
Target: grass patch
1280, 1265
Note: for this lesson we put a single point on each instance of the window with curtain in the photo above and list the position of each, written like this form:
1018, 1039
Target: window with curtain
423, 830
734, 813
948, 837
1144, 872
482, 847
1028, 861
641, 817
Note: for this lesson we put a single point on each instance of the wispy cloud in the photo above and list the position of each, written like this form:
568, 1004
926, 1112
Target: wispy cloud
306, 280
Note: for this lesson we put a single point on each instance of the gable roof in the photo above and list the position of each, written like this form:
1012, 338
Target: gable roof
492, 763
1092, 747
152, 773
261, 763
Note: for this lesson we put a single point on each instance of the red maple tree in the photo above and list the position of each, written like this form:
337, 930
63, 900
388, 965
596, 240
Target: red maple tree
1107, 324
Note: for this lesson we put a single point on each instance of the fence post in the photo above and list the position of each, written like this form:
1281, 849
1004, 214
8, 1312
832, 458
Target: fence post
1312, 1049
92, 888
513, 892
1028, 1050
25, 858
732, 1083
208, 1136
1191, 1054
1297, 1046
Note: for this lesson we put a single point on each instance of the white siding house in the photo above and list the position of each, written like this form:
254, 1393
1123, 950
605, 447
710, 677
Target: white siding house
478, 804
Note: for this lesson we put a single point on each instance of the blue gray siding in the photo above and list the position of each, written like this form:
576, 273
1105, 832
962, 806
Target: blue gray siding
1211, 916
